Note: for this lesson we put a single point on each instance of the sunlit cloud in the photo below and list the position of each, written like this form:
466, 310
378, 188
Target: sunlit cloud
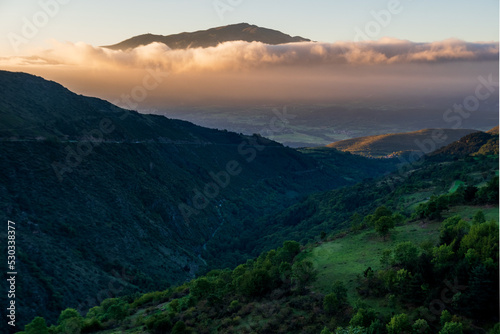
243, 55
255, 71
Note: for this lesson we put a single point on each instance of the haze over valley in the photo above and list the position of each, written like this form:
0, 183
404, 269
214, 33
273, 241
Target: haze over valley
230, 78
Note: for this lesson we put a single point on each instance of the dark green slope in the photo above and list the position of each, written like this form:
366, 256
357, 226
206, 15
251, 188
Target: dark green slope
402, 190
95, 193
211, 37
348, 276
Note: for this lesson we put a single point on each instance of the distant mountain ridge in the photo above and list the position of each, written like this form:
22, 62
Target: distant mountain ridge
425, 141
211, 37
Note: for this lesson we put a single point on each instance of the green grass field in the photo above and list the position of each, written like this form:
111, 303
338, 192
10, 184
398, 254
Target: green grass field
343, 259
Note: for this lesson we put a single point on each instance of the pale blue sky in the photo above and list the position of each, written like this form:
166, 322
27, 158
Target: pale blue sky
110, 21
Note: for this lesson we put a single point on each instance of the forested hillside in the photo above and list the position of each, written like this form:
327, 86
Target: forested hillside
109, 197
386, 273
413, 252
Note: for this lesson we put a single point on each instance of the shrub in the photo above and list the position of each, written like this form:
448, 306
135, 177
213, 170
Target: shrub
420, 326
234, 306
159, 323
179, 328
398, 324
331, 303
452, 328
37, 326
91, 325
68, 314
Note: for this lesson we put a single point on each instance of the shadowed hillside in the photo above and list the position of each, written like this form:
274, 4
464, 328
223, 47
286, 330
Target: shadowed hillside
108, 197
347, 275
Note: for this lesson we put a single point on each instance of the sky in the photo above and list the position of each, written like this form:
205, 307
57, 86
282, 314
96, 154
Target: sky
385, 49
111, 21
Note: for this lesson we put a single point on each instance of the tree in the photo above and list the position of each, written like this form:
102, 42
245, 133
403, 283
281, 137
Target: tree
201, 288
398, 324
445, 317
175, 305
489, 194
383, 225
470, 194
303, 273
382, 211
480, 299
399, 219
37, 326
483, 238
118, 311
406, 254
179, 328
288, 251
254, 283
432, 209
386, 258
442, 256
285, 271
340, 290
350, 330
402, 281
495, 329
68, 314
91, 325
325, 331
70, 321
331, 303
235, 304
335, 300
71, 326
453, 228
452, 328
376, 327
363, 318
479, 218
421, 326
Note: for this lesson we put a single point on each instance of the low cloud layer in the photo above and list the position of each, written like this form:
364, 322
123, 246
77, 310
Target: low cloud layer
241, 71
242, 55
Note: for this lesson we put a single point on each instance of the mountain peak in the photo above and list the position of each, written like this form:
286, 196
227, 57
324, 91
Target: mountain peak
212, 37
